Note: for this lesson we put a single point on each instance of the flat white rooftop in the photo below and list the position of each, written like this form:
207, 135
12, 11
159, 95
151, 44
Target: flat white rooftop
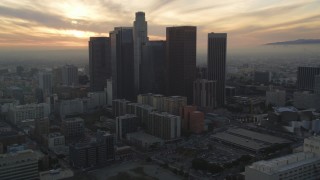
285, 163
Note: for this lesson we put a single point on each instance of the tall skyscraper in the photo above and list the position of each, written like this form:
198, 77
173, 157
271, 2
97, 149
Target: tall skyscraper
122, 63
140, 37
181, 60
45, 83
317, 84
70, 75
217, 55
99, 62
306, 77
152, 67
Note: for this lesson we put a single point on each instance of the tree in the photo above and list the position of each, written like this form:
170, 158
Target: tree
199, 164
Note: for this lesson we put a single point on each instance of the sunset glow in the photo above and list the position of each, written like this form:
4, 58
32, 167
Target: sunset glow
72, 22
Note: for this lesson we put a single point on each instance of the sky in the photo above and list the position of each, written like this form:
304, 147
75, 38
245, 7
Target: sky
70, 23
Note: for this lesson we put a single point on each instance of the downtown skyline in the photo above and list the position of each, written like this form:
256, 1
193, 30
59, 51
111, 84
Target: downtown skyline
36, 24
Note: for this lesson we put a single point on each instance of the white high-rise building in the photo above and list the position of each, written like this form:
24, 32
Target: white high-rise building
302, 165
45, 83
164, 125
29, 111
70, 75
204, 93
140, 37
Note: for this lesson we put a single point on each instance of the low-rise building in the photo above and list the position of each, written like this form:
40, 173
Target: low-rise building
19, 165
127, 123
144, 141
55, 139
312, 144
29, 111
96, 152
73, 127
56, 174
303, 165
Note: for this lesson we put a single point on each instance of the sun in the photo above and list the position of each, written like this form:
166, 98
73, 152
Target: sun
75, 10
79, 34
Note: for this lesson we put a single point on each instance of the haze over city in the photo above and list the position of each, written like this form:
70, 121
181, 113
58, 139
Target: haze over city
159, 90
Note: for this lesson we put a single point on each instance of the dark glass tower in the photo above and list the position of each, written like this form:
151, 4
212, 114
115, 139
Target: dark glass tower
306, 76
217, 54
181, 60
140, 37
152, 67
122, 61
99, 62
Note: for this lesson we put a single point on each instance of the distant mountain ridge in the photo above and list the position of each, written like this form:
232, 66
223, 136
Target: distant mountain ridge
297, 42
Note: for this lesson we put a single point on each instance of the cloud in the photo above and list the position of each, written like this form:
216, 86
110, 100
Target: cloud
73, 20
35, 16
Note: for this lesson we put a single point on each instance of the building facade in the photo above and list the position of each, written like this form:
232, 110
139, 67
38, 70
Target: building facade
56, 139
45, 83
306, 77
140, 37
127, 123
262, 77
317, 84
94, 153
29, 111
20, 165
122, 60
73, 127
70, 75
99, 62
119, 107
181, 60
204, 94
164, 125
152, 69
217, 56
185, 117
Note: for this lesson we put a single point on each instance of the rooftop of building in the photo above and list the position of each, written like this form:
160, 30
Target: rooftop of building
144, 137
265, 138
127, 116
146, 106
5, 101
285, 109
17, 157
285, 163
56, 174
314, 139
222, 35
240, 141
74, 119
30, 105
55, 134
165, 114
121, 100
